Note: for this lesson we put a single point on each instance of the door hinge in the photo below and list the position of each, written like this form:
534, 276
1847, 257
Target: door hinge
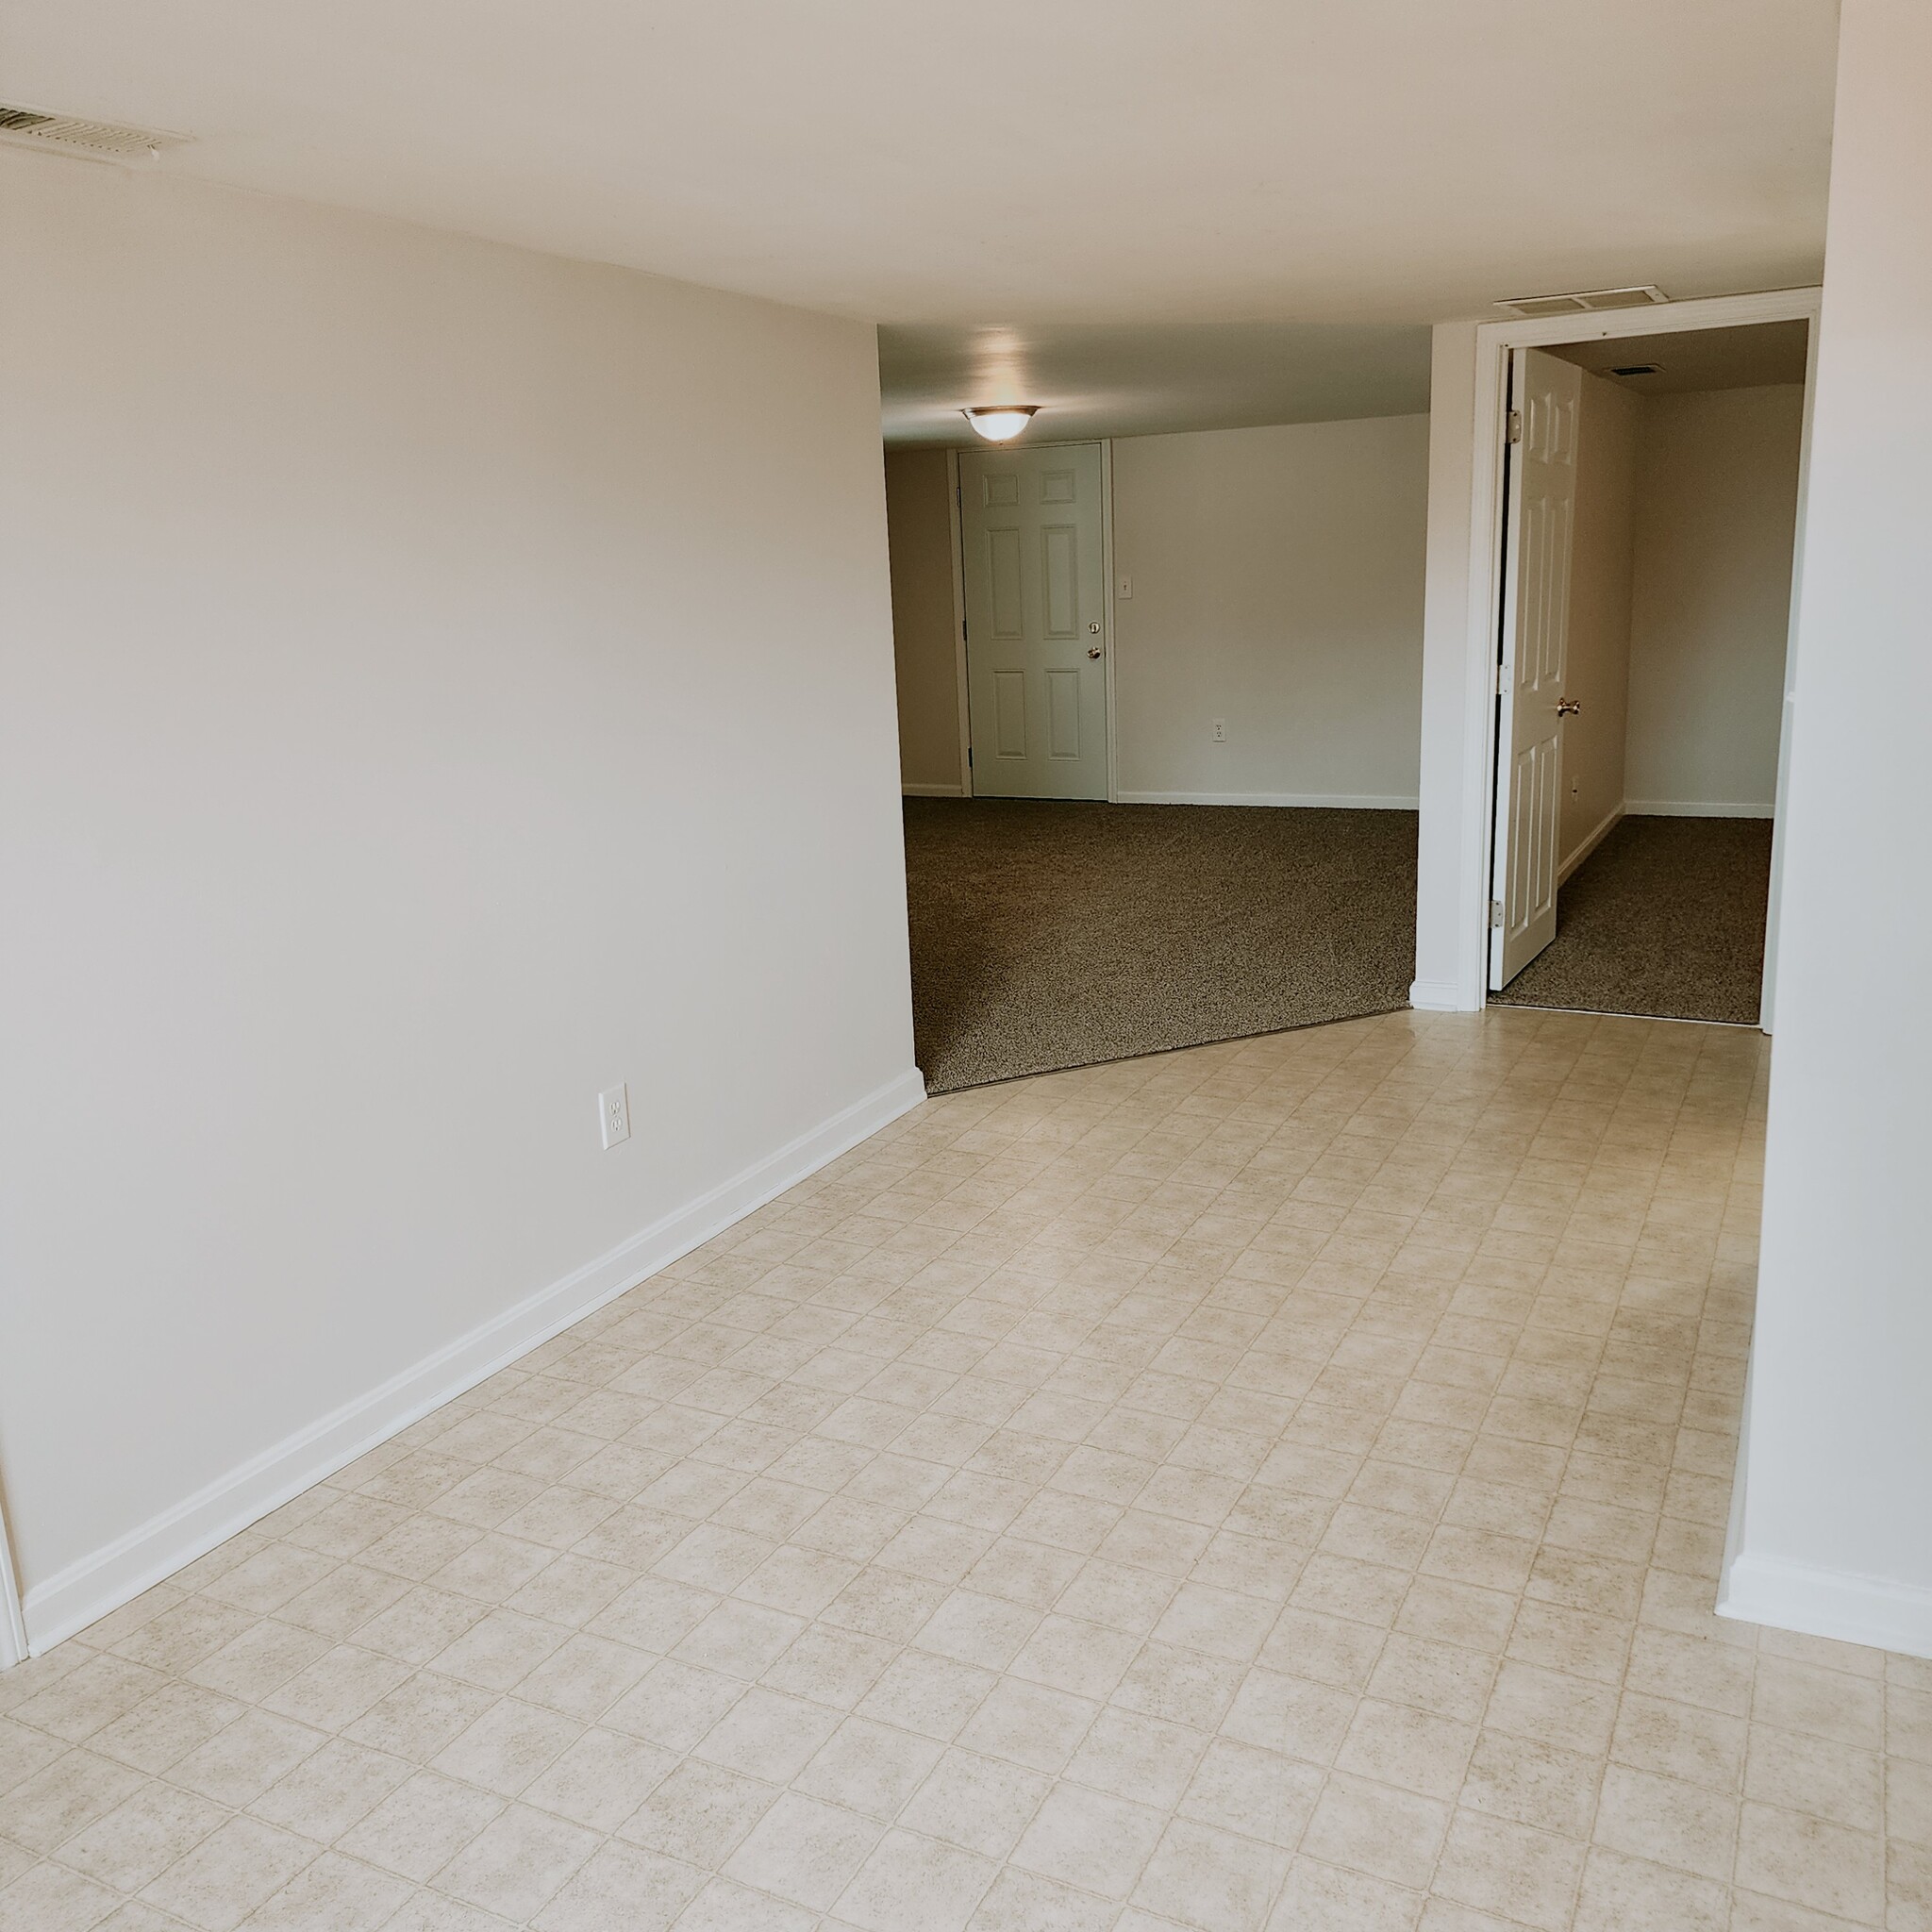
1497, 914
1515, 425
1502, 680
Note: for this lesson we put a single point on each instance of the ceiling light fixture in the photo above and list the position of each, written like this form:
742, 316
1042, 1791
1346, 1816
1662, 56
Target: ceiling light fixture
1001, 421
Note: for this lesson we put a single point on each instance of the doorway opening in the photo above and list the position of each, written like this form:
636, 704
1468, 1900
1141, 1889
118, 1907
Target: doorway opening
1651, 496
1159, 701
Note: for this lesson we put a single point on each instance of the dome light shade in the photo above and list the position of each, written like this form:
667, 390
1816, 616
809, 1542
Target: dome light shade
1001, 421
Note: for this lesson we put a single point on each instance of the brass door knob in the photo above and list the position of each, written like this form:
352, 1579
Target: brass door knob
1093, 650
1567, 707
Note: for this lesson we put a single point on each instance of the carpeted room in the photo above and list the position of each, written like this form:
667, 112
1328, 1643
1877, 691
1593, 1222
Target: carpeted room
1260, 618
1047, 934
1676, 621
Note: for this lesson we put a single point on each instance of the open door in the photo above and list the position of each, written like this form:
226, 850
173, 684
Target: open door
1544, 396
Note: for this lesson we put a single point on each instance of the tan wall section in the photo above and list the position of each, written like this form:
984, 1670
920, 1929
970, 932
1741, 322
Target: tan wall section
442, 681
918, 527
1717, 493
1833, 1534
1597, 673
1278, 586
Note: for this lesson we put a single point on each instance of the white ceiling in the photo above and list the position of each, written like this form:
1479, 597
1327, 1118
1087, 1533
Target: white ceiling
1748, 357
1142, 378
1052, 168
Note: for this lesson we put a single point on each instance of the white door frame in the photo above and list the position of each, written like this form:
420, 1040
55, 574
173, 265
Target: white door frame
1105, 444
1494, 340
1767, 1003
962, 699
1107, 607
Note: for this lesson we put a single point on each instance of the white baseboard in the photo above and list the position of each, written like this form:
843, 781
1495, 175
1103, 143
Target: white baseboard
1343, 800
1827, 1603
932, 791
87, 1590
1611, 819
1691, 808
1436, 996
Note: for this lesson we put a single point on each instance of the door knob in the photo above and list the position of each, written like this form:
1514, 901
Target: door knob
1093, 650
1567, 707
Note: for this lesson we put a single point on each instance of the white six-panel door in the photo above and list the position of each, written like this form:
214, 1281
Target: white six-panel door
1545, 392
1030, 528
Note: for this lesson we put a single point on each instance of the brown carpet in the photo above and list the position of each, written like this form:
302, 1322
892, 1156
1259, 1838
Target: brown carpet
1051, 935
1665, 918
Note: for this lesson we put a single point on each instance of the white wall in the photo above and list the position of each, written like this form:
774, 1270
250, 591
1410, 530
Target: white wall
1278, 585
1715, 506
1458, 692
926, 634
1679, 604
442, 681
1834, 1531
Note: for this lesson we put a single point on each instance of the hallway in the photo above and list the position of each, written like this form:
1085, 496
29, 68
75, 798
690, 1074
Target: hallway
1277, 1485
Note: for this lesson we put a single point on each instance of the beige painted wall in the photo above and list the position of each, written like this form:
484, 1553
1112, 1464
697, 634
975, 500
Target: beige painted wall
1832, 1533
919, 524
1717, 490
1598, 673
442, 682
1278, 585
1277, 582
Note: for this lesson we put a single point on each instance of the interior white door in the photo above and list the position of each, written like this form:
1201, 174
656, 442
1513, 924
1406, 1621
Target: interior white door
1030, 530
1544, 396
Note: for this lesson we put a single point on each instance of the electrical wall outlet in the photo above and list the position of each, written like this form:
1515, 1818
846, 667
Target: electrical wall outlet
1221, 731
613, 1114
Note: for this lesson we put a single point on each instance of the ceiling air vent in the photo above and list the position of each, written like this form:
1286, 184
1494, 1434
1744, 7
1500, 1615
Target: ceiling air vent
93, 141
1584, 302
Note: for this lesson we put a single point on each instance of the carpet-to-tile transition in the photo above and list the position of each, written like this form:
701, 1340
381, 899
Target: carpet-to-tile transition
1278, 1487
1049, 933
1665, 918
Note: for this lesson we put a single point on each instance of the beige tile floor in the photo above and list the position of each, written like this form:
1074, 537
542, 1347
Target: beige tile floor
1274, 1484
